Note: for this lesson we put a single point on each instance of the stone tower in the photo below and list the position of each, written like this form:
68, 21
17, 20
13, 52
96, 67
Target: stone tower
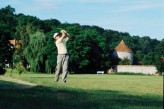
123, 51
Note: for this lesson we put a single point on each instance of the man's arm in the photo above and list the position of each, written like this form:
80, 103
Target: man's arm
63, 34
67, 35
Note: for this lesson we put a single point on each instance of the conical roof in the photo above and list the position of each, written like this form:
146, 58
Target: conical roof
12, 42
122, 47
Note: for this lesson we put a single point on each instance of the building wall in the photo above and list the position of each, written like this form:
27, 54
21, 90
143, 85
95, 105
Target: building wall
137, 69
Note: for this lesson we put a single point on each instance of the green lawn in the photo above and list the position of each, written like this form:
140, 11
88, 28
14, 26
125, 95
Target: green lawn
85, 91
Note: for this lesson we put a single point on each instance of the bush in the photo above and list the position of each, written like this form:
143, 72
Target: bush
2, 70
160, 64
20, 68
125, 61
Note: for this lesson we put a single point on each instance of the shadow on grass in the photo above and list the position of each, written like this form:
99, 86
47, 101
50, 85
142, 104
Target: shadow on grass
40, 97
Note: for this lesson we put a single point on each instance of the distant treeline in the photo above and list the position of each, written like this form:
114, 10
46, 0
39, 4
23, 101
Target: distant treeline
90, 47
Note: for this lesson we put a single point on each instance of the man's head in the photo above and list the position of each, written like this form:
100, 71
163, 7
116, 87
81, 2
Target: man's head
56, 36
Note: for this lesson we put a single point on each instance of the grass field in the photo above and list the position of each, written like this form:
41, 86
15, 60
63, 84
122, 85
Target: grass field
85, 91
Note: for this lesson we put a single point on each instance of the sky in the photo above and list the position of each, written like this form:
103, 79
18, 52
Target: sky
137, 17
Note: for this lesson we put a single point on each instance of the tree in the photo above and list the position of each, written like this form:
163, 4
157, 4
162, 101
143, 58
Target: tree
160, 64
7, 20
6, 51
138, 57
159, 59
27, 25
159, 47
149, 59
50, 24
35, 52
87, 49
51, 53
145, 44
125, 61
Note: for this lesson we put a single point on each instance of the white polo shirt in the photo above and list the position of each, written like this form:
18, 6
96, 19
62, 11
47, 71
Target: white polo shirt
61, 45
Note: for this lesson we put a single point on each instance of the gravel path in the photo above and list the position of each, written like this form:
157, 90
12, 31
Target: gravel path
13, 83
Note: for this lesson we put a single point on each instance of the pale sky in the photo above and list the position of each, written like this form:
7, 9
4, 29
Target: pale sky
137, 17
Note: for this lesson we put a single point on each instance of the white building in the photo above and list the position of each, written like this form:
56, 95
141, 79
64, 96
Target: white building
122, 51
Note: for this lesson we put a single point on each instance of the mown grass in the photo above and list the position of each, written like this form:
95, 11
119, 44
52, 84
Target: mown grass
85, 91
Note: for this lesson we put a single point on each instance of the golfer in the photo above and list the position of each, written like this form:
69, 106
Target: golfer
62, 57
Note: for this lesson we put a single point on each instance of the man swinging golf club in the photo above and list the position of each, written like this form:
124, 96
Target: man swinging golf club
62, 57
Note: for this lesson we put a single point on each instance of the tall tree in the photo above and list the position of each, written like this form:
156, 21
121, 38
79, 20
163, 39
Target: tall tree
6, 51
160, 64
87, 49
51, 53
35, 52
26, 25
50, 24
7, 20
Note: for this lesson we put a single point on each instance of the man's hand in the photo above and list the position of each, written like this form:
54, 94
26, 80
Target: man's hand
63, 31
